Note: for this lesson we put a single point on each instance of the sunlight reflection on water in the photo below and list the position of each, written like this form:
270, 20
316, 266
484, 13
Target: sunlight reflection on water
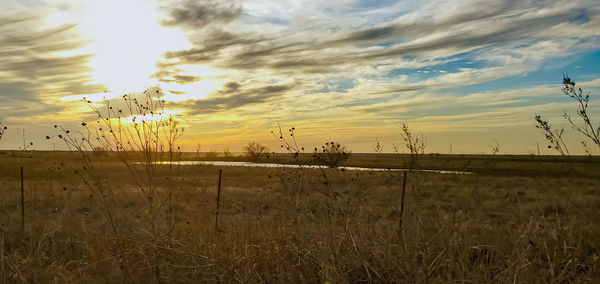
270, 165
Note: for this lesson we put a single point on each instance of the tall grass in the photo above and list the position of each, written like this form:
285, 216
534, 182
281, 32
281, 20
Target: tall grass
341, 226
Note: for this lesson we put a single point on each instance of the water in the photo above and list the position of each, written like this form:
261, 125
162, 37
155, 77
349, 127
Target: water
270, 165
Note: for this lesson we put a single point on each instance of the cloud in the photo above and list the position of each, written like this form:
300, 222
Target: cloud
233, 96
11, 92
198, 14
432, 102
352, 41
420, 34
416, 28
33, 76
174, 76
288, 60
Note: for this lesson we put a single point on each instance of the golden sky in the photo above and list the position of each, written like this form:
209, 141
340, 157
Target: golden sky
462, 72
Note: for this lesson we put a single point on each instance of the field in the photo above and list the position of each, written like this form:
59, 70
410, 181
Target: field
510, 219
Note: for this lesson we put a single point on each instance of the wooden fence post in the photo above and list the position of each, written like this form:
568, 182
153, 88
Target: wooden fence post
22, 202
218, 199
400, 220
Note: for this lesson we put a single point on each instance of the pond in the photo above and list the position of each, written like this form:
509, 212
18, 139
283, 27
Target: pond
272, 165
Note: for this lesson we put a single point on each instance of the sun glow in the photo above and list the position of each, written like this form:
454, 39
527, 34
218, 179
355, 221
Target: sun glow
95, 98
127, 42
199, 90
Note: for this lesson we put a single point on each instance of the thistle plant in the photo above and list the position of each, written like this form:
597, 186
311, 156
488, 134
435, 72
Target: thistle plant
331, 154
26, 145
414, 144
142, 135
289, 144
416, 147
139, 133
2, 130
588, 129
378, 148
553, 136
496, 147
341, 205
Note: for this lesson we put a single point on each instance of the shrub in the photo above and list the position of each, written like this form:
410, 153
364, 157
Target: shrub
255, 151
211, 155
99, 149
331, 154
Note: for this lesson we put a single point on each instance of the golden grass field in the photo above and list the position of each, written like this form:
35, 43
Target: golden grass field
515, 219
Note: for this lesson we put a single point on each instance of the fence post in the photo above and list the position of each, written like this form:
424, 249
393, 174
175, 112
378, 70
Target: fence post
400, 220
218, 199
22, 202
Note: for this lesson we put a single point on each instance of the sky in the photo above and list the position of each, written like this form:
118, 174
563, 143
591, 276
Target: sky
463, 73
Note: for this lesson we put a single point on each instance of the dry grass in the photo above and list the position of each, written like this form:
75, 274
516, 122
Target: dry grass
302, 225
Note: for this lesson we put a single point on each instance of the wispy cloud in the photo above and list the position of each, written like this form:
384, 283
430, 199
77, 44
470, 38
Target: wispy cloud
232, 96
420, 34
33, 75
191, 14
